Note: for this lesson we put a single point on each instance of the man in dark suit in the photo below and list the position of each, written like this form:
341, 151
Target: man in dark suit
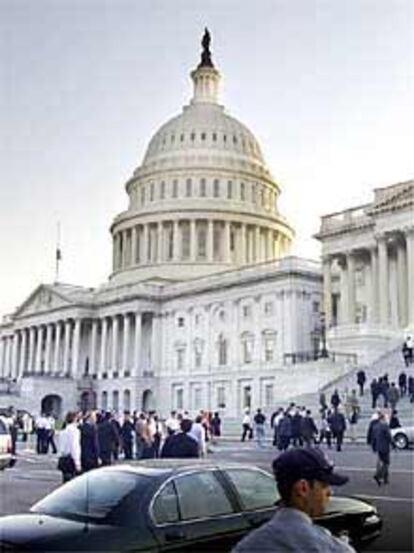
89, 442
180, 444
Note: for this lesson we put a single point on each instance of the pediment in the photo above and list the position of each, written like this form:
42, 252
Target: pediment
399, 197
43, 299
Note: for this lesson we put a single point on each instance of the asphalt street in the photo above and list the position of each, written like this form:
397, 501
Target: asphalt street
36, 475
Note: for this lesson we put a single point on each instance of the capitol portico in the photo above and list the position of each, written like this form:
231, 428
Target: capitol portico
368, 271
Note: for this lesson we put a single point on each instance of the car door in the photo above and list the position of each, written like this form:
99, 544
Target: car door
193, 512
257, 493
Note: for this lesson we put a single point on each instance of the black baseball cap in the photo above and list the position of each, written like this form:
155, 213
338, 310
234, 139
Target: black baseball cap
309, 464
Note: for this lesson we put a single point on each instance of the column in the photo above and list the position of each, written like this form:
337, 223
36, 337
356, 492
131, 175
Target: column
115, 252
327, 290
242, 252
104, 333
31, 349
176, 242
137, 344
257, 252
344, 291
409, 237
401, 280
383, 280
160, 249
92, 349
15, 368
269, 244
22, 367
155, 342
373, 314
2, 351
66, 347
350, 260
145, 244
125, 346
48, 345
134, 246
210, 242
38, 360
115, 328
56, 353
193, 240
226, 245
76, 347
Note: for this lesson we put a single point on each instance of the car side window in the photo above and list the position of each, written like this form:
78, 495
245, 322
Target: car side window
201, 495
166, 505
256, 489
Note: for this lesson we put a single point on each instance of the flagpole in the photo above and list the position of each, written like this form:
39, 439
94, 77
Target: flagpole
58, 255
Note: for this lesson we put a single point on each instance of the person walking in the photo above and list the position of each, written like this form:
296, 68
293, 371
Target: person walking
309, 429
325, 430
393, 395
375, 389
335, 399
402, 383
180, 444
50, 429
127, 435
247, 429
285, 431
69, 462
304, 478
296, 429
89, 442
338, 426
108, 439
382, 442
215, 425
361, 379
259, 427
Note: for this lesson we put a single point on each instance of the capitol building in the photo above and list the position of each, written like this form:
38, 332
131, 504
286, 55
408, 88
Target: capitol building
205, 307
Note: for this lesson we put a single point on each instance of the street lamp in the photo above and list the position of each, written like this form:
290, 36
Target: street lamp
324, 352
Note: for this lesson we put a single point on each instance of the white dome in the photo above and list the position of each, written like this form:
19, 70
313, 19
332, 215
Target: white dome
202, 200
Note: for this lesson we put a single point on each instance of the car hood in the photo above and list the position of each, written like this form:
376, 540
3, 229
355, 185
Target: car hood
38, 532
348, 505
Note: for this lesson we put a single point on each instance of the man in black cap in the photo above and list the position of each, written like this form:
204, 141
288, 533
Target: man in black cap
304, 478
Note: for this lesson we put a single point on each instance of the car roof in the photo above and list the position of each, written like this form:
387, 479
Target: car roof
163, 467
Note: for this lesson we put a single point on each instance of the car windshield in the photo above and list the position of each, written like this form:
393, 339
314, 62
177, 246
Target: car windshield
99, 495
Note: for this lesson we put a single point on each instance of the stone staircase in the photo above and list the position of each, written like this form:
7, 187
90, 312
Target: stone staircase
391, 363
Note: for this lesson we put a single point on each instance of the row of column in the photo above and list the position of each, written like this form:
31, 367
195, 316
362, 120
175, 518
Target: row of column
56, 348
196, 240
384, 295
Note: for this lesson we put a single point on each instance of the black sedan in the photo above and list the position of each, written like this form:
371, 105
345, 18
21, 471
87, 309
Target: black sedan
165, 505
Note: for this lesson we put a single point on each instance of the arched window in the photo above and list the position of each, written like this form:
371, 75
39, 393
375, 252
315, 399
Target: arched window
152, 192
222, 350
229, 190
202, 188
142, 194
162, 190
201, 241
242, 191
185, 240
188, 188
127, 400
115, 400
104, 401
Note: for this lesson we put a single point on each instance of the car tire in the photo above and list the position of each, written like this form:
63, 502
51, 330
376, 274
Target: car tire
400, 441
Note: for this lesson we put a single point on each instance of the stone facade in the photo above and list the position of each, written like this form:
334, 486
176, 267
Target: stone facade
368, 272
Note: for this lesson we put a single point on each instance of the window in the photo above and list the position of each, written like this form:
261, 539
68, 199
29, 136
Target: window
180, 358
175, 189
179, 398
234, 139
222, 346
256, 489
209, 501
216, 189
188, 188
172, 138
269, 349
181, 138
247, 346
315, 306
197, 318
268, 308
232, 239
214, 137
152, 192
142, 194
203, 188
217, 241
166, 505
192, 136
201, 241
221, 397
203, 136
197, 358
242, 191
197, 404
180, 321
229, 190
224, 138
247, 311
268, 395
254, 193
170, 243
162, 190
262, 198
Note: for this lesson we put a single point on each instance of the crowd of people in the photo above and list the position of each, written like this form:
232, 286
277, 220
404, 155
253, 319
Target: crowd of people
98, 438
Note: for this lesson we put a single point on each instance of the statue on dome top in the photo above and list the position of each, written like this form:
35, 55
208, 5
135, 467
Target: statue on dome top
206, 54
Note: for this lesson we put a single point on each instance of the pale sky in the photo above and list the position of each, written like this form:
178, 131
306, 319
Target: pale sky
327, 87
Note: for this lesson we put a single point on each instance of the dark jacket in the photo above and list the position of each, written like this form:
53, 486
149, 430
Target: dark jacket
337, 423
297, 425
127, 431
285, 427
382, 438
308, 427
108, 438
370, 433
179, 445
89, 446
